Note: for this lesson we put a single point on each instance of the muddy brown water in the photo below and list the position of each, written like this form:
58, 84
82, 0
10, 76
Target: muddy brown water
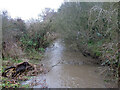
67, 69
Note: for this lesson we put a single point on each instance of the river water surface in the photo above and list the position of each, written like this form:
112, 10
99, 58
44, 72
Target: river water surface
68, 70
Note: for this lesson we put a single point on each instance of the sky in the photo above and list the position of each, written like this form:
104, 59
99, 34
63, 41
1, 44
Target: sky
27, 9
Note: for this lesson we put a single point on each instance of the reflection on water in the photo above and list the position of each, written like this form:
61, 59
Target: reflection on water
71, 72
53, 54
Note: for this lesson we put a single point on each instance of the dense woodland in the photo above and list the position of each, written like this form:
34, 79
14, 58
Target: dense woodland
91, 28
88, 28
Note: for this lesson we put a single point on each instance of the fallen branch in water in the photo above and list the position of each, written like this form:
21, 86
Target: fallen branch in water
56, 64
53, 66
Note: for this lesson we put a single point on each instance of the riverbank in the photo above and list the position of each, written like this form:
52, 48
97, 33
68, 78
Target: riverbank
65, 69
33, 57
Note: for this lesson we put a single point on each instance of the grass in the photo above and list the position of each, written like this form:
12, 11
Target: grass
5, 83
34, 58
35, 55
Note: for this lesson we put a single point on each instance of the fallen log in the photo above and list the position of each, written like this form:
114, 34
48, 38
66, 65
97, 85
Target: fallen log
15, 71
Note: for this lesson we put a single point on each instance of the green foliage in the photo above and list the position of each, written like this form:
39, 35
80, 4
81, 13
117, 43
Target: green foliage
42, 49
36, 42
17, 61
8, 84
2, 69
90, 27
26, 86
36, 36
29, 35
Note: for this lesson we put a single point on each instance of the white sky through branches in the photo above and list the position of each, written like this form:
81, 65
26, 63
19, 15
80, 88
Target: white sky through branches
27, 9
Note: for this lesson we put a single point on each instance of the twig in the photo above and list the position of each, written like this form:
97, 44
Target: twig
54, 66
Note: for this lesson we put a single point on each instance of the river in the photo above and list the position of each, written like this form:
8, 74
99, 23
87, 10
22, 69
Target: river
68, 69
